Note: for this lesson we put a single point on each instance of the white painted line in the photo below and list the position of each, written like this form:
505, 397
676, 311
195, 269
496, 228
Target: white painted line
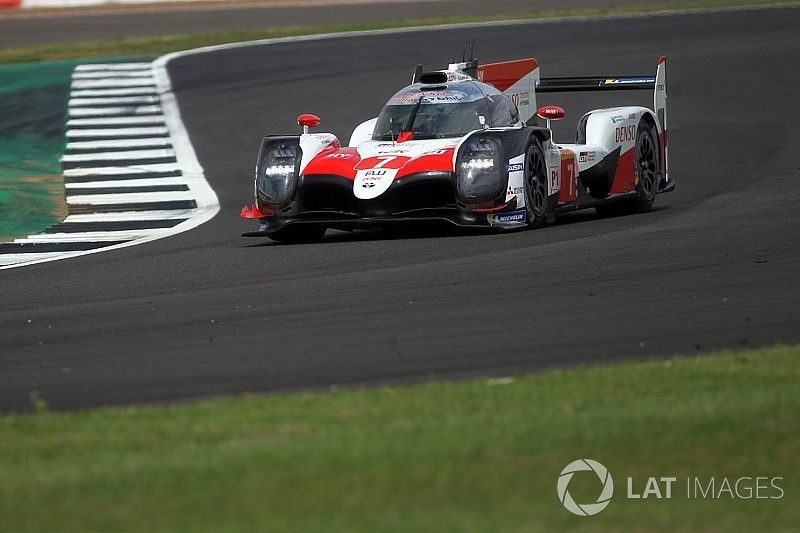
82, 112
113, 83
129, 157
152, 142
192, 170
129, 198
117, 133
110, 74
128, 216
140, 182
97, 236
112, 66
13, 260
113, 101
117, 156
116, 121
128, 91
116, 171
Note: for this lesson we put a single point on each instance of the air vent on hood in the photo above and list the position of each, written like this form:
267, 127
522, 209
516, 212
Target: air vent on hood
433, 78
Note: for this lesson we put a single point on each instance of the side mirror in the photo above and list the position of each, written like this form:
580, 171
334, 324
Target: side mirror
551, 112
308, 121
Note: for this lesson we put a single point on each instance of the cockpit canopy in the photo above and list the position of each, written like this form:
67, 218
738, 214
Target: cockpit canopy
445, 111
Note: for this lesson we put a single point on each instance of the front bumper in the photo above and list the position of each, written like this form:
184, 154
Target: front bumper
328, 200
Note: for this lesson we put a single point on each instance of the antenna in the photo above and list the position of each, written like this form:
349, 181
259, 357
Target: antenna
464, 53
417, 73
470, 67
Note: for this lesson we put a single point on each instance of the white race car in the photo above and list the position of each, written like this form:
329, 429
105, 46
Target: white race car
463, 145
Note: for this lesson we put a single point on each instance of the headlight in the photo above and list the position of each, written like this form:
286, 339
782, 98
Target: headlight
478, 169
278, 166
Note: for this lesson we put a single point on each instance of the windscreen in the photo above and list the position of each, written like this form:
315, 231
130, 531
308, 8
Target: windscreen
428, 115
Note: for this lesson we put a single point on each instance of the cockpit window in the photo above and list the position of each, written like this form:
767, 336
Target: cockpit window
502, 113
436, 114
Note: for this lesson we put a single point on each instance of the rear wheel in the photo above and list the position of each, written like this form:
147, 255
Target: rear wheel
535, 185
297, 234
646, 161
646, 167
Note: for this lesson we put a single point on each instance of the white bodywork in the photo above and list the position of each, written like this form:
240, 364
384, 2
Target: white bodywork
606, 131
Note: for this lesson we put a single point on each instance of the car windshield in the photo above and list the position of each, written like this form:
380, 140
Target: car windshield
434, 118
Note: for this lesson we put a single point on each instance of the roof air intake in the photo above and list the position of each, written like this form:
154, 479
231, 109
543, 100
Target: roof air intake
433, 78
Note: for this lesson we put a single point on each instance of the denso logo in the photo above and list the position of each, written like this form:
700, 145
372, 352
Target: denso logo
625, 133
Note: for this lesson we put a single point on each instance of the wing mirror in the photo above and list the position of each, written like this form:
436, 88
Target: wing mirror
551, 112
308, 121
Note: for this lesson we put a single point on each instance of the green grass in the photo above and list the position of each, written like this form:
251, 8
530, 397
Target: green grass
33, 102
477, 455
170, 43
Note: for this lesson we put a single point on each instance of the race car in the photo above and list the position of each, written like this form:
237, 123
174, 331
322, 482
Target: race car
465, 145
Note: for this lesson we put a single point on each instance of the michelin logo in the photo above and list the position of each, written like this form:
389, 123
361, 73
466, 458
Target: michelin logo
514, 217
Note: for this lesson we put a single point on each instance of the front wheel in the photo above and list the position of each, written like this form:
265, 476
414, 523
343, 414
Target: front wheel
535, 185
298, 234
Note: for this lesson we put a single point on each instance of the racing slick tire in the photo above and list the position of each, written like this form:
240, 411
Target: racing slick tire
646, 161
535, 185
298, 234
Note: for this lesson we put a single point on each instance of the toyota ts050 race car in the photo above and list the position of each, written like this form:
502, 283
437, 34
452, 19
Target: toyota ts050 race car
456, 145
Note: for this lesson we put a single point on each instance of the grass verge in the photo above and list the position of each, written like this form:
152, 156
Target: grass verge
33, 102
171, 43
477, 455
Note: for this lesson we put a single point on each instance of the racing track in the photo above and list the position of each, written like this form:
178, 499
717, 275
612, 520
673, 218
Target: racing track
206, 312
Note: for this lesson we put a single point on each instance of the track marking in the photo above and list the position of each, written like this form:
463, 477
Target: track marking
92, 74
129, 216
117, 133
128, 198
97, 236
154, 120
10, 260
143, 99
117, 144
142, 182
82, 112
130, 173
125, 91
113, 66
110, 83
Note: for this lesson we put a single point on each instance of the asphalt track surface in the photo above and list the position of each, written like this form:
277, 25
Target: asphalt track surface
203, 313
70, 25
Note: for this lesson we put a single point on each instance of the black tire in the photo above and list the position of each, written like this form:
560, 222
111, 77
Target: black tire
298, 234
535, 185
646, 166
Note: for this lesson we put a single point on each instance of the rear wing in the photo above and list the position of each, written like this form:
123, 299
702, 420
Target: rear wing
657, 84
